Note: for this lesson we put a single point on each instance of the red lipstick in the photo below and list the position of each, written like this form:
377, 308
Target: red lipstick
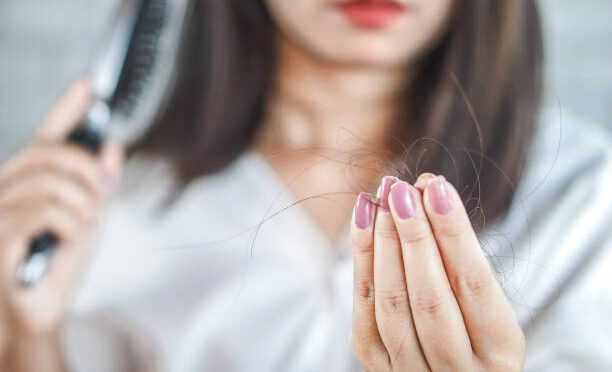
374, 14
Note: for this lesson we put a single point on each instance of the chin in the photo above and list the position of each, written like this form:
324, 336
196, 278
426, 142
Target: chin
366, 33
347, 46
334, 40
365, 53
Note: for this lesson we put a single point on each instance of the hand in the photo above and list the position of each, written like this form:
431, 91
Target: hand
425, 297
49, 185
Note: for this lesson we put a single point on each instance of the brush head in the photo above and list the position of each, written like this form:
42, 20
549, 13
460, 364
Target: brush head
133, 69
141, 56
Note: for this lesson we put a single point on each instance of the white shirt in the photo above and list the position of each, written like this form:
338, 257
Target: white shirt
205, 285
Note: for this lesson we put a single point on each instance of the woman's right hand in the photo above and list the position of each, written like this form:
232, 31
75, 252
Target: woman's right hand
56, 186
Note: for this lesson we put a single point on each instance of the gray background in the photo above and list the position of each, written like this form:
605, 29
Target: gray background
45, 44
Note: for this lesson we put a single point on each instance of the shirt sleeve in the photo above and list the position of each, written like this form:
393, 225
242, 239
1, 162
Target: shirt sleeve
573, 336
572, 331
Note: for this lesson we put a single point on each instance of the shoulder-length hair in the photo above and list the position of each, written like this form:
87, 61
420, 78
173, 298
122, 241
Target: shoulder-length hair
471, 112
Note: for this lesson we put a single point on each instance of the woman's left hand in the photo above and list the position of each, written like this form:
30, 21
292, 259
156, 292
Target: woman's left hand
425, 296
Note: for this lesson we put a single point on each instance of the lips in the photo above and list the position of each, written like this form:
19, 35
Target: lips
373, 14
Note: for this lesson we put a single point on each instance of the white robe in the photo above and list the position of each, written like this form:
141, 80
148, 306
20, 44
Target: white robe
193, 288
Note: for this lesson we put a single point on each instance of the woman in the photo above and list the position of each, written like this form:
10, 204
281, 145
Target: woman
281, 114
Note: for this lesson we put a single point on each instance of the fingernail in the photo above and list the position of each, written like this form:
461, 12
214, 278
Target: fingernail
363, 211
383, 191
440, 195
422, 180
402, 200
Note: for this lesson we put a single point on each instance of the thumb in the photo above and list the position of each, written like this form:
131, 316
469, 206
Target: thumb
67, 112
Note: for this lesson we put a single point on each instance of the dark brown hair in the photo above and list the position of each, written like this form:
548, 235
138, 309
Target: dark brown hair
472, 105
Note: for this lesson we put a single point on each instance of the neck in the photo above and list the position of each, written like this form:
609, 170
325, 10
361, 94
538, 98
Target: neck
328, 113
322, 105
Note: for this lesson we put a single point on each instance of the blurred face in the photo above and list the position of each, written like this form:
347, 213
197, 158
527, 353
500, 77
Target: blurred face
383, 33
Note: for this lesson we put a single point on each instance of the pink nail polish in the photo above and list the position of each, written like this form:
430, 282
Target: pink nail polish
383, 191
363, 211
440, 195
402, 200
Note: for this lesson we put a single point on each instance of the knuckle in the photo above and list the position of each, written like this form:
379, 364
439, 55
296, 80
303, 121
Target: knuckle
506, 362
417, 234
361, 245
394, 302
364, 293
51, 196
452, 229
447, 360
31, 158
64, 154
472, 284
415, 238
508, 355
430, 301
59, 220
386, 230
62, 188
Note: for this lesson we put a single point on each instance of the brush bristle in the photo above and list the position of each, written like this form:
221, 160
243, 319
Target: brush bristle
141, 56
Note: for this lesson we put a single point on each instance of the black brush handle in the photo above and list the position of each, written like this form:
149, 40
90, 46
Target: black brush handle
41, 248
87, 138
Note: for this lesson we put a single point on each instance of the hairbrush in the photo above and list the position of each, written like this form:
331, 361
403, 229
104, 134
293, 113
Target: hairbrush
141, 43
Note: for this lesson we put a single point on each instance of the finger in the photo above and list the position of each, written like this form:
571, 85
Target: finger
19, 224
36, 218
437, 317
421, 182
52, 187
73, 235
365, 339
67, 112
488, 316
68, 160
392, 307
61, 273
